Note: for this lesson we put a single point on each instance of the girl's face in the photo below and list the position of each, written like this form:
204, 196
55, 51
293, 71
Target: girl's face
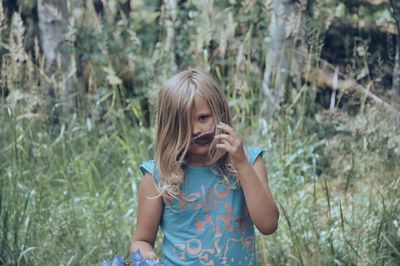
203, 131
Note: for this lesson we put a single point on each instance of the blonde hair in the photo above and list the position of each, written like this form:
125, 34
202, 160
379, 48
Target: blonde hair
175, 105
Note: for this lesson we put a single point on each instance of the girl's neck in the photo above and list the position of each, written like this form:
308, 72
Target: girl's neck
196, 159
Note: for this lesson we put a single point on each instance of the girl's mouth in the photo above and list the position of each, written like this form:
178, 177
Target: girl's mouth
204, 138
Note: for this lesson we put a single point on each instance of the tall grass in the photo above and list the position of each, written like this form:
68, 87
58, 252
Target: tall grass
69, 196
337, 191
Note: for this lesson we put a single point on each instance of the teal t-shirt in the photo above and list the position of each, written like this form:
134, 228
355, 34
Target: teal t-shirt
212, 226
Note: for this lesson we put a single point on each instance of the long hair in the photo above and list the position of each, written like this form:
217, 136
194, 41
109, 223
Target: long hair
175, 105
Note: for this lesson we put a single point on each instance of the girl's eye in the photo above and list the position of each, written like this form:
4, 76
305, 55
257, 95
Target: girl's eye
203, 117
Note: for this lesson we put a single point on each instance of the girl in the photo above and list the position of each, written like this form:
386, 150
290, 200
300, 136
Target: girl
205, 189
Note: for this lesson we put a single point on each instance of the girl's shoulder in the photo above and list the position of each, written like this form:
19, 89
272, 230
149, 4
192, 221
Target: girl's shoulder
253, 153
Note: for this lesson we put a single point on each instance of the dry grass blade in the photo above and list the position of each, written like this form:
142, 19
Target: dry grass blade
294, 237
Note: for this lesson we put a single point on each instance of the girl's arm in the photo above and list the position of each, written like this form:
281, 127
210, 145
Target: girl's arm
260, 203
148, 218
253, 179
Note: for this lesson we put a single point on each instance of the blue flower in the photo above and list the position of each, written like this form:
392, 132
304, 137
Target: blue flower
118, 261
152, 263
136, 259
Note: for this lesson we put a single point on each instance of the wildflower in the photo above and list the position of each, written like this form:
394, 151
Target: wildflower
136, 259
117, 261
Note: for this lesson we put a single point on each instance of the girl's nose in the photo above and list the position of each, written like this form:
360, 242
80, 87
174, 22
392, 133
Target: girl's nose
196, 130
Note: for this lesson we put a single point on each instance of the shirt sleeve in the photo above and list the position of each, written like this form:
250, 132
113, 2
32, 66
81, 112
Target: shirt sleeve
253, 153
149, 167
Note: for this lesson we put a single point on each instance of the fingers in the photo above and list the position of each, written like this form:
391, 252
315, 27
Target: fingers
225, 146
227, 135
227, 132
226, 142
230, 140
224, 127
224, 138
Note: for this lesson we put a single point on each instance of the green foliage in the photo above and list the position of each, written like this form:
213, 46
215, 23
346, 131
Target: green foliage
68, 182
336, 191
68, 195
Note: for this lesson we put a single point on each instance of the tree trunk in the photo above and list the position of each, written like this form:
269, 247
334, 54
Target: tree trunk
10, 7
396, 71
284, 27
170, 14
52, 27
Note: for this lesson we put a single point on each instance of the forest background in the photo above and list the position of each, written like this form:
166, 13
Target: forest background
315, 83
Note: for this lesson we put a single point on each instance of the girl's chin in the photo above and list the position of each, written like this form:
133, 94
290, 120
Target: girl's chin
198, 148
204, 144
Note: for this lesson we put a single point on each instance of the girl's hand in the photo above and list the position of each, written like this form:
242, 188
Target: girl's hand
150, 255
231, 142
